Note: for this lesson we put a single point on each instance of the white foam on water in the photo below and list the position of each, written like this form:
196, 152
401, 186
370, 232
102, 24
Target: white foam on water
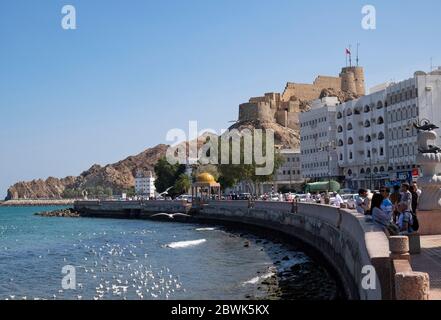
185, 244
259, 278
205, 229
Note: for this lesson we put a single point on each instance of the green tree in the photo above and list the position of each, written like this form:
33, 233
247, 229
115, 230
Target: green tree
167, 175
231, 174
183, 184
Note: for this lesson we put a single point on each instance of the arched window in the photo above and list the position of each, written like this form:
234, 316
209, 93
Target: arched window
339, 115
357, 110
362, 171
341, 157
380, 120
350, 141
375, 170
349, 172
349, 126
340, 129
381, 169
380, 105
367, 124
349, 112
367, 109
381, 136
368, 171
340, 143
351, 156
368, 139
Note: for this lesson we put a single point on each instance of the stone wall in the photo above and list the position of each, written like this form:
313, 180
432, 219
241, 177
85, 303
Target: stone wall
308, 92
342, 237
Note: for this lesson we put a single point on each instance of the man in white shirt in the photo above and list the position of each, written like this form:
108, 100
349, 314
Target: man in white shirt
338, 201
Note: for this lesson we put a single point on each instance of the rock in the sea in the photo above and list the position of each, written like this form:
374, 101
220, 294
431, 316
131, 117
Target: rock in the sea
65, 213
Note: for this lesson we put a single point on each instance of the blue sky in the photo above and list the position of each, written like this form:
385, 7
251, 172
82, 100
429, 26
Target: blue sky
135, 69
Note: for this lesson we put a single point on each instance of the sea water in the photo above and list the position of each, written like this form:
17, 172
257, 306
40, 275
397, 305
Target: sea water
137, 259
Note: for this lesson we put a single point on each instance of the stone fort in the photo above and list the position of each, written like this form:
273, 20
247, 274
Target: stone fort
285, 108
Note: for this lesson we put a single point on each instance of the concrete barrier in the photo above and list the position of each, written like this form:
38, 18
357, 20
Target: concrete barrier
342, 237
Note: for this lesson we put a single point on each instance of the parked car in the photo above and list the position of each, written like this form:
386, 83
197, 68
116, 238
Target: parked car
244, 196
184, 197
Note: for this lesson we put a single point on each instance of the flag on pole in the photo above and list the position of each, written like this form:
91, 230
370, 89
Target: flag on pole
348, 52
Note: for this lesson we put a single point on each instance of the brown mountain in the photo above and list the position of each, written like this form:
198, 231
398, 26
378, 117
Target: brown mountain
118, 176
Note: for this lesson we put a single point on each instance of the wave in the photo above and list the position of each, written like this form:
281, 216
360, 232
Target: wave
185, 244
259, 278
205, 229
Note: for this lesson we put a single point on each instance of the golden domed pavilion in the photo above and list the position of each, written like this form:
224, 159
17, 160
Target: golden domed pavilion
205, 187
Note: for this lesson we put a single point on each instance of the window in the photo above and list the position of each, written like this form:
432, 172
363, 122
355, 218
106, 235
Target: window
380, 120
340, 143
367, 109
350, 141
381, 151
349, 126
367, 124
381, 136
341, 157
368, 139
340, 129
380, 105
351, 155
349, 112
339, 115
362, 171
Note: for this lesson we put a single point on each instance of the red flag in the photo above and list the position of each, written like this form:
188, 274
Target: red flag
348, 51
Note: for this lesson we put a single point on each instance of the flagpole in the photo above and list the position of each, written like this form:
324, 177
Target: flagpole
346, 55
350, 56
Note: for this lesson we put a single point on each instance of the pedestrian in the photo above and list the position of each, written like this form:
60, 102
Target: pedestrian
415, 199
417, 190
405, 219
378, 215
387, 205
338, 201
406, 196
360, 201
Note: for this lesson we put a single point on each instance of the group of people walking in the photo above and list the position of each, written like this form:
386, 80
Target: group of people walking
396, 210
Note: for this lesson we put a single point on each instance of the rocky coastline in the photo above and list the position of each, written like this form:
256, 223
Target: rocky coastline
61, 213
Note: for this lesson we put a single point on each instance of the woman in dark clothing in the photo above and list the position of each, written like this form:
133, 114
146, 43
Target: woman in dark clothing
416, 224
414, 199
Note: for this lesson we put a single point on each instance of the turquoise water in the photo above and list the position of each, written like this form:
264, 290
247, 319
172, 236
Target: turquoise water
131, 259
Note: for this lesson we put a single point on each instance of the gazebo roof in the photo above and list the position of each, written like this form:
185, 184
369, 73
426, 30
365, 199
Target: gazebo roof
205, 180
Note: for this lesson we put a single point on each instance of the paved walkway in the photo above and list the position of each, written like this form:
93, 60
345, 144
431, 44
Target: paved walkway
430, 261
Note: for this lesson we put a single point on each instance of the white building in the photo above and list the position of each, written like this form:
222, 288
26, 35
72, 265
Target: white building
376, 138
318, 140
289, 175
145, 185
361, 141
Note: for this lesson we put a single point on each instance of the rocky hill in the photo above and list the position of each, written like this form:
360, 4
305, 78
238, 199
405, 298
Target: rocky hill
118, 176
286, 137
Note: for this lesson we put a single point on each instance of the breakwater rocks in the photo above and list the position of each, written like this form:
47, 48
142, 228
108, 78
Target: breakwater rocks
36, 203
62, 213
